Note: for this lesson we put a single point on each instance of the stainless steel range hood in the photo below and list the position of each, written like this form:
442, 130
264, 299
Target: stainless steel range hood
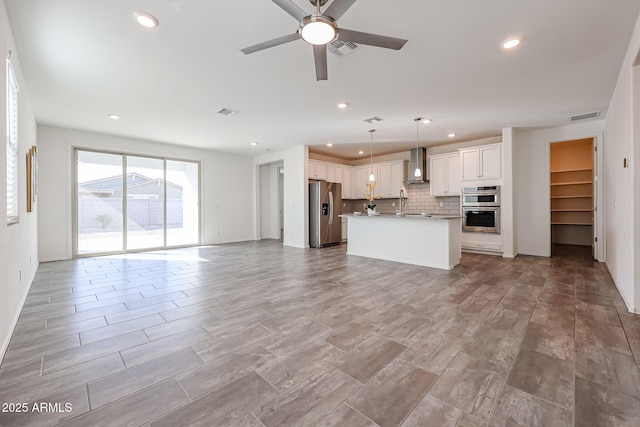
418, 160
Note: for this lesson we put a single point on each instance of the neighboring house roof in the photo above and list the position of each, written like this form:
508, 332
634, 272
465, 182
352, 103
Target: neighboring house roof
113, 184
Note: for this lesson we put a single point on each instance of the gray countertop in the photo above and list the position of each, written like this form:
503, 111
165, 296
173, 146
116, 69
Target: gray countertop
407, 216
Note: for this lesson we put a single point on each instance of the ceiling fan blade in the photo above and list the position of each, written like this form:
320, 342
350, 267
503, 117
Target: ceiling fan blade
291, 8
320, 59
270, 43
338, 8
370, 39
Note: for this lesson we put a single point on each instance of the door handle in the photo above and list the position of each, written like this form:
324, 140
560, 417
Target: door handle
330, 207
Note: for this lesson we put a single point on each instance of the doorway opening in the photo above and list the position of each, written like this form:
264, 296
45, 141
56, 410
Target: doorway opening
271, 201
573, 199
281, 201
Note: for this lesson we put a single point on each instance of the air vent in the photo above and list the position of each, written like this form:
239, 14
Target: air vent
584, 116
341, 48
228, 112
374, 119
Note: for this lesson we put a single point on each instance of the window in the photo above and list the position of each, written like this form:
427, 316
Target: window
12, 146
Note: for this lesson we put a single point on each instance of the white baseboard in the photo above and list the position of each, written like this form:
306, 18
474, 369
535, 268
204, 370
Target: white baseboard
630, 307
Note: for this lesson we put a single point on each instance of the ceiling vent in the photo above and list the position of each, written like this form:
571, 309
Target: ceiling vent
227, 112
341, 48
584, 116
374, 119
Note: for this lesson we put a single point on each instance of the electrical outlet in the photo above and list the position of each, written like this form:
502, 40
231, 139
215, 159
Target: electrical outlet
393, 204
441, 204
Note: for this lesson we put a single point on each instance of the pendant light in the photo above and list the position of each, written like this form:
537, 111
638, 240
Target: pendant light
372, 177
417, 173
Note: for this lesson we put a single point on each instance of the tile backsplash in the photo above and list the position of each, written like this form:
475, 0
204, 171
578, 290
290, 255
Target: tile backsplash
418, 199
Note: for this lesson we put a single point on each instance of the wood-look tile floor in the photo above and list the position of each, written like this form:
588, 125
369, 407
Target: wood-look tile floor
256, 334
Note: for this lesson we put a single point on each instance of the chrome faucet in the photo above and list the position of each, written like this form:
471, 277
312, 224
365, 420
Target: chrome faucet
401, 199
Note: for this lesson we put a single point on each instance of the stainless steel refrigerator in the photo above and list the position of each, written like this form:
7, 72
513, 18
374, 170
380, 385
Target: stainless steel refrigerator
325, 204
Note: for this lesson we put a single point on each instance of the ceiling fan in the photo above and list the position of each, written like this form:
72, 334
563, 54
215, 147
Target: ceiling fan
319, 29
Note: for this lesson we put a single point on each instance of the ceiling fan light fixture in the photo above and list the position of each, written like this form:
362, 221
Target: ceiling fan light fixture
318, 29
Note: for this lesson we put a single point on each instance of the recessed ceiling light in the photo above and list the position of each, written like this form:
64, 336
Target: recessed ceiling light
343, 105
451, 135
146, 19
254, 143
511, 43
426, 121
360, 152
329, 144
114, 116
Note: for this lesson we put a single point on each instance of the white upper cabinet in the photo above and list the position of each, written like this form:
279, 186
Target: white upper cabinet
445, 174
361, 179
347, 191
391, 177
331, 172
317, 170
481, 163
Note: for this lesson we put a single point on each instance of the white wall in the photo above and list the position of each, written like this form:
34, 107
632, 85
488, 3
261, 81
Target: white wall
18, 242
226, 187
531, 175
296, 193
623, 184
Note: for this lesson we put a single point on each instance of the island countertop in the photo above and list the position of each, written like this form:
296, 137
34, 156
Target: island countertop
404, 216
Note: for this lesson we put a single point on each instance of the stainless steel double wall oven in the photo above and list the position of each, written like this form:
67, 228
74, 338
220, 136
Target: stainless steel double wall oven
481, 209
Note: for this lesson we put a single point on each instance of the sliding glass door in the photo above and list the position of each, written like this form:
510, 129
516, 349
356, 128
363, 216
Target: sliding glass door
99, 208
145, 203
183, 205
131, 203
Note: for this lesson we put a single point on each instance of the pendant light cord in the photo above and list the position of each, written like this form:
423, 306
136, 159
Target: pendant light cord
371, 175
371, 150
418, 171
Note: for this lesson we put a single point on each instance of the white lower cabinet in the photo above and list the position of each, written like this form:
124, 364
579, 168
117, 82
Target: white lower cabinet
481, 242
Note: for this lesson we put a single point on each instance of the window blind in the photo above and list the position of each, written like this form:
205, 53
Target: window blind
12, 147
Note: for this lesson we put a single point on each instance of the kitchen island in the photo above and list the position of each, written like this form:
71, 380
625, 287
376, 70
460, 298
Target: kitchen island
430, 241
